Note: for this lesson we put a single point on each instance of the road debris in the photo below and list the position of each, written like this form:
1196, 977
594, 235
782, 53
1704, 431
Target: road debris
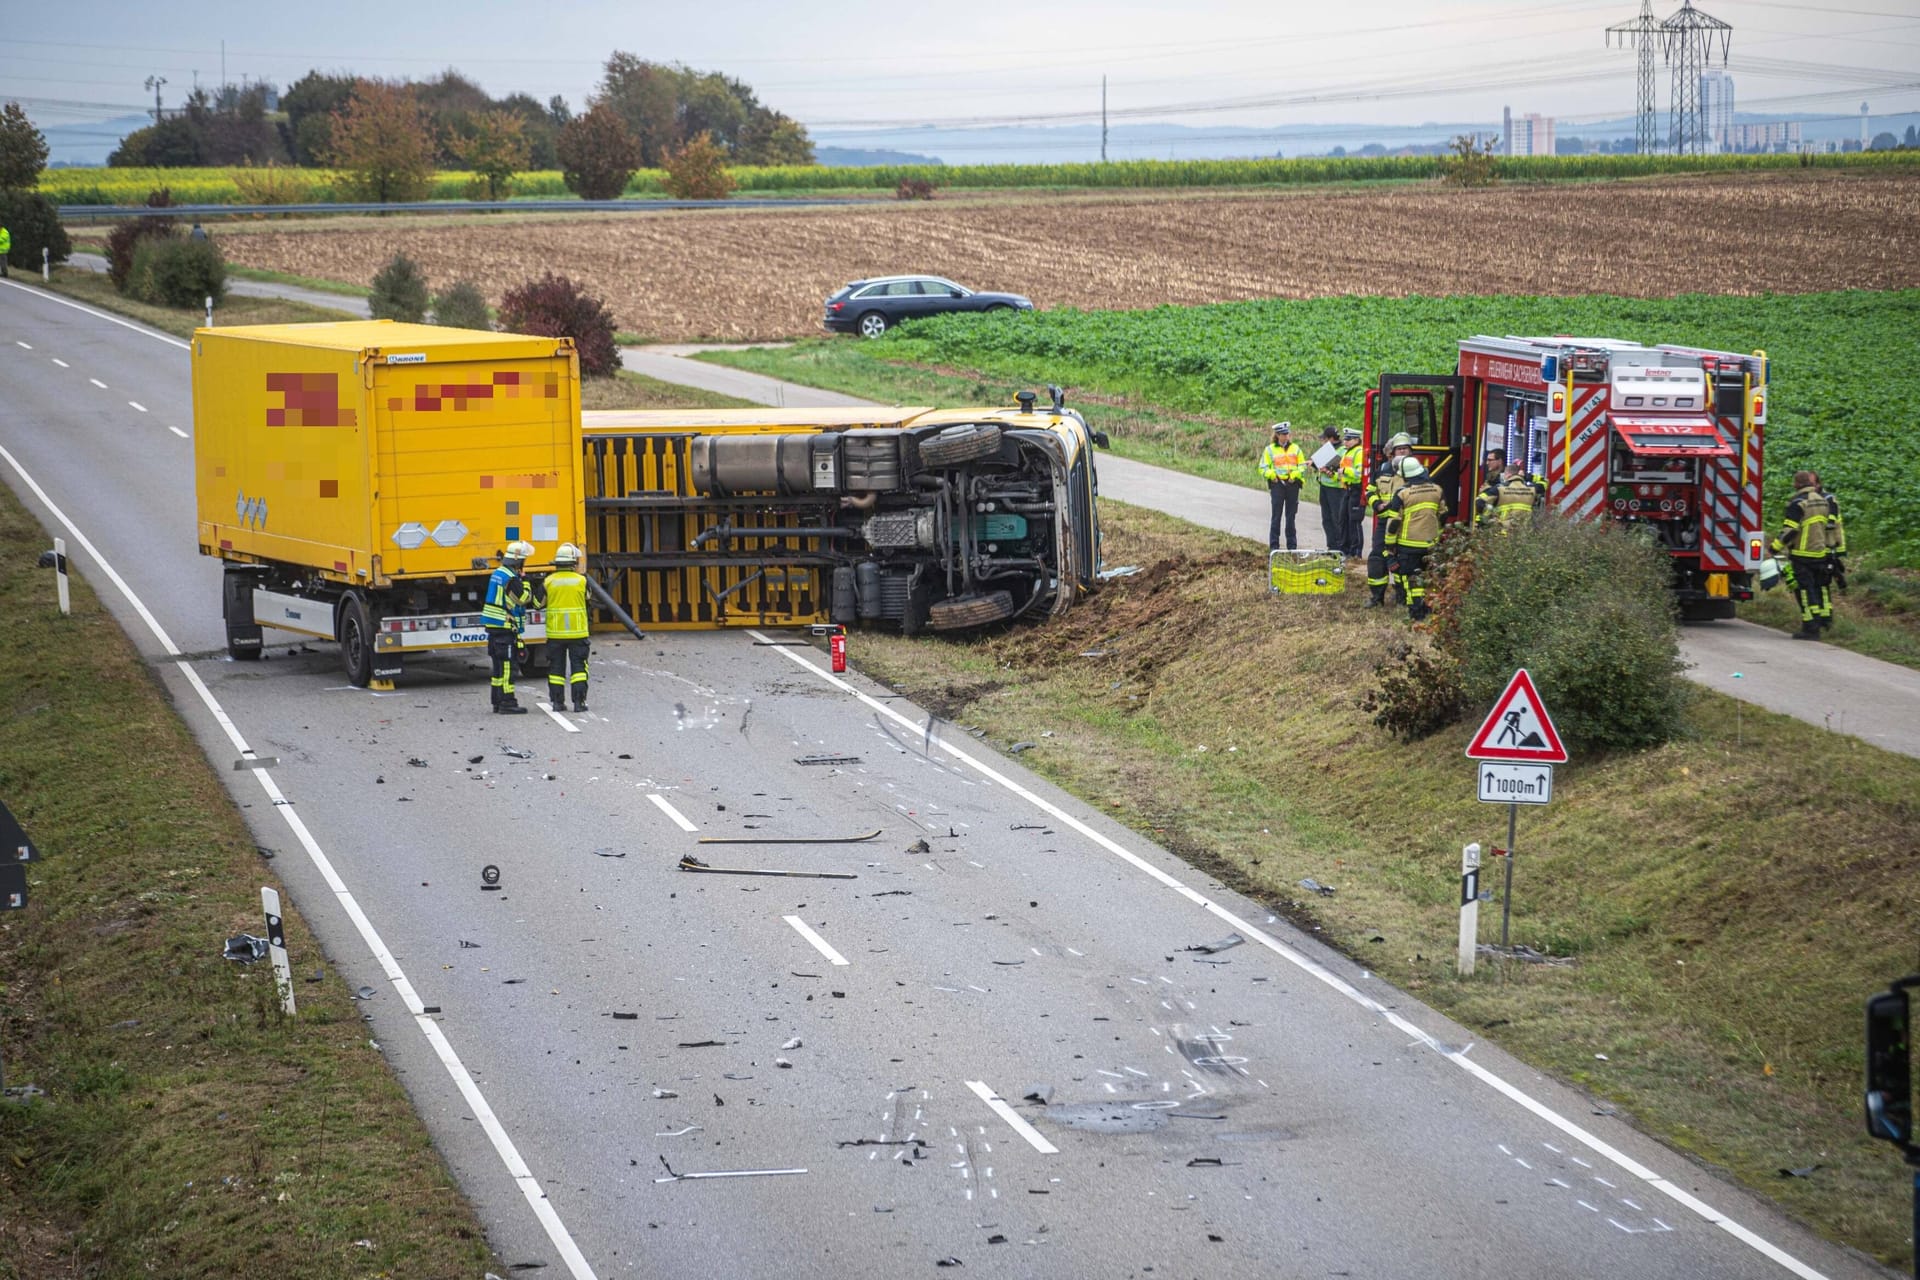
1041, 1093
723, 1173
949, 1262
785, 1064
1206, 1162
365, 993
516, 753
1225, 944
665, 1093
826, 759
1314, 886
245, 948
475, 759
919, 846
791, 1044
702, 1044
1806, 1171
608, 853
871, 835
891, 893
416, 762
625, 1017
690, 863
1019, 747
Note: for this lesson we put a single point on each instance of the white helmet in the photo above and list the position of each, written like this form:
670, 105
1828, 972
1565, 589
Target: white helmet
1412, 469
567, 554
518, 551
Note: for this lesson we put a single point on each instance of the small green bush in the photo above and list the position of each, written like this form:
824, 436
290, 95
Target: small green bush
34, 222
399, 292
124, 237
173, 271
462, 306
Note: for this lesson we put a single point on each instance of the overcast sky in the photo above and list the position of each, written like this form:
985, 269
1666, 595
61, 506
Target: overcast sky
840, 65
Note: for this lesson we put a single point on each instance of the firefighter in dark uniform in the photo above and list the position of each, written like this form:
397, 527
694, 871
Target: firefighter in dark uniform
1421, 505
1808, 537
1386, 529
1353, 473
1333, 500
1487, 501
500, 613
1283, 466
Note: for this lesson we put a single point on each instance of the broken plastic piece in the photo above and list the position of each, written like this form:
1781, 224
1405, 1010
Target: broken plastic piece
826, 759
665, 1093
871, 835
724, 1173
1227, 943
625, 1017
416, 762
517, 753
792, 1044
1314, 886
1019, 747
690, 863
919, 846
245, 948
702, 1044
1041, 1093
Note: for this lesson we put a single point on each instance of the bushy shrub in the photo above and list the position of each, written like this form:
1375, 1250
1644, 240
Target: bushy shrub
174, 271
462, 306
34, 222
698, 171
399, 292
1584, 606
913, 189
555, 307
1418, 693
597, 154
123, 238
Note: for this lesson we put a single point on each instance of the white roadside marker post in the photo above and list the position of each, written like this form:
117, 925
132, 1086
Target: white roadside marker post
46, 264
1469, 908
277, 948
209, 311
60, 574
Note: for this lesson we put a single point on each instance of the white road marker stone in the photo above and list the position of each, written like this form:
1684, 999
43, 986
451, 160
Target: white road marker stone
1322, 974
820, 944
530, 1188
679, 819
1014, 1120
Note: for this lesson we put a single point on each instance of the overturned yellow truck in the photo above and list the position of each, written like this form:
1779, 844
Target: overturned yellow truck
359, 481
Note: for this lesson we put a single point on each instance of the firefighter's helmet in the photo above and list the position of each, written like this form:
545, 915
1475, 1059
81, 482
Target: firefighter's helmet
568, 554
521, 551
1399, 440
1412, 469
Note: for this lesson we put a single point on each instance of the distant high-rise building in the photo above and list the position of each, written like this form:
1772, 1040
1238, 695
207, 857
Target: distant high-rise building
1716, 108
1528, 135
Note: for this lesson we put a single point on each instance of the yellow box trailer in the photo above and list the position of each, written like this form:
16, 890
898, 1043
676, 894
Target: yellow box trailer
360, 479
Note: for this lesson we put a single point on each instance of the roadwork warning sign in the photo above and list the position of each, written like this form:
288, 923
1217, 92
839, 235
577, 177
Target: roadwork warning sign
1518, 728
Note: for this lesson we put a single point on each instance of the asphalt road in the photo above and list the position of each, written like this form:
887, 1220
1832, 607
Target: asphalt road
1270, 1109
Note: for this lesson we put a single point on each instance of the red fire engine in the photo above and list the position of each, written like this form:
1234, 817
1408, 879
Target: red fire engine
1668, 438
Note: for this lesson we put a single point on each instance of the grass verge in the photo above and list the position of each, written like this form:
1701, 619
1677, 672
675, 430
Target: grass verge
1725, 914
187, 1127
94, 289
628, 390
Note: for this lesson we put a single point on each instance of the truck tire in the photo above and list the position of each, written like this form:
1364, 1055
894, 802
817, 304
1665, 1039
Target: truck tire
971, 611
244, 640
353, 627
968, 442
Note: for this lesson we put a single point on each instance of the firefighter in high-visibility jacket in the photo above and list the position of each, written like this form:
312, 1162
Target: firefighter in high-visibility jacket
1386, 528
567, 630
1517, 499
1486, 503
1814, 549
500, 614
1421, 505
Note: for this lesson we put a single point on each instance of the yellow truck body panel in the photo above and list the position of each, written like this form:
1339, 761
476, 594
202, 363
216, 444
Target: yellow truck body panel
372, 452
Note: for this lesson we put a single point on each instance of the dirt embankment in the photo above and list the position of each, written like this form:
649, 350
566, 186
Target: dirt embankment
740, 275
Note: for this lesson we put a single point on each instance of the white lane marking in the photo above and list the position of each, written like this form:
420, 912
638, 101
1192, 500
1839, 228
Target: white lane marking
516, 1167
177, 431
679, 819
1014, 1120
1540, 1109
137, 405
559, 719
96, 382
100, 315
62, 363
18, 343
820, 944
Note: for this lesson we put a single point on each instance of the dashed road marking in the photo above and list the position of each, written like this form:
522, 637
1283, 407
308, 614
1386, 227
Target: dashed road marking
1014, 1120
137, 405
62, 363
820, 944
96, 382
679, 819
177, 431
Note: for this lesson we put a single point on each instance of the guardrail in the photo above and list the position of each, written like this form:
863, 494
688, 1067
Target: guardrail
93, 211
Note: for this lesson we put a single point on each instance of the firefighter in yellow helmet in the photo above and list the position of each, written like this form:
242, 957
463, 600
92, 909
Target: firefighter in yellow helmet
500, 614
1809, 536
1422, 505
1386, 528
567, 629
1517, 499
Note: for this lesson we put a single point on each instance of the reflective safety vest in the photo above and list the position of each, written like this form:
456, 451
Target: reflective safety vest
1282, 462
1384, 490
566, 606
1486, 503
1353, 464
1421, 507
1807, 530
1517, 498
506, 600
6, 241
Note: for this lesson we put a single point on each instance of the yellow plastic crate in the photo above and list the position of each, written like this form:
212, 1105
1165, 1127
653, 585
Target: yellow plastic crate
1307, 573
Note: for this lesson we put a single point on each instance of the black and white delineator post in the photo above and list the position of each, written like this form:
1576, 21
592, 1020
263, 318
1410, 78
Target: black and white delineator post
60, 574
1469, 907
16, 851
277, 948
1890, 1082
1517, 746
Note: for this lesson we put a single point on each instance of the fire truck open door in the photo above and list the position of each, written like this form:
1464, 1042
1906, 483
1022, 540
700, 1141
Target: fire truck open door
1428, 407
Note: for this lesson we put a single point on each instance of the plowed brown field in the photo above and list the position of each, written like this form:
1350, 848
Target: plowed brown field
754, 274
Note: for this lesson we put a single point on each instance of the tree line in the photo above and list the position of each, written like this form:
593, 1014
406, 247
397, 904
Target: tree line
394, 134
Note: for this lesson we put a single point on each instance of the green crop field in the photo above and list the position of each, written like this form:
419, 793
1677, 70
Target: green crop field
322, 186
1846, 386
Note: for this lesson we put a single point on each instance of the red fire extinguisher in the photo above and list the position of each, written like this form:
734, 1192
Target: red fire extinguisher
837, 646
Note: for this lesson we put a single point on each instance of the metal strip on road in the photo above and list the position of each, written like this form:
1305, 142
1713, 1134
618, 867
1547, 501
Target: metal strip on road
1014, 1119
679, 819
820, 944
503, 1145
1300, 961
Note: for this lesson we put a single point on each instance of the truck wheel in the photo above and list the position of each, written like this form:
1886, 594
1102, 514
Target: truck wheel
355, 632
970, 611
968, 442
236, 606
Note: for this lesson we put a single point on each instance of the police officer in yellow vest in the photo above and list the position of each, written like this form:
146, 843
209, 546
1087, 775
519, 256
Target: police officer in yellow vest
1808, 536
1283, 466
567, 629
6, 247
1353, 474
1386, 528
1422, 505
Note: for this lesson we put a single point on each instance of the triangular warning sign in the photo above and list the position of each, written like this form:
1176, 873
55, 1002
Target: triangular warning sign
1518, 727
